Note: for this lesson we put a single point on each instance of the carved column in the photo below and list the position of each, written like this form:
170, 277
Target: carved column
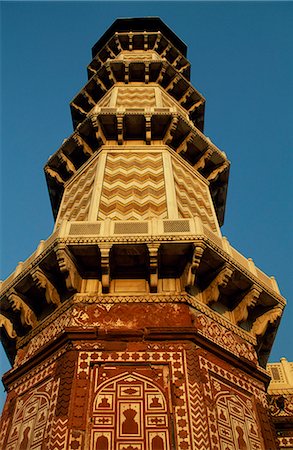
153, 253
105, 266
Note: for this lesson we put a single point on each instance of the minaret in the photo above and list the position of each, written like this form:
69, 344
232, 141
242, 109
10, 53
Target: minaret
136, 325
281, 401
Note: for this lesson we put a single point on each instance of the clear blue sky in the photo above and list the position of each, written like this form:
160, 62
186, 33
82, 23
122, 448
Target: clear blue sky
241, 55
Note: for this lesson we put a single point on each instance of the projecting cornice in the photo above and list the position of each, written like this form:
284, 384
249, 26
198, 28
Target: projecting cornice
141, 34
134, 71
150, 126
205, 265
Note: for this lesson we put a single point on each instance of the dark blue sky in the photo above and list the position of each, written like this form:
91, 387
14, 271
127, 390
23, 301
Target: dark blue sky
241, 56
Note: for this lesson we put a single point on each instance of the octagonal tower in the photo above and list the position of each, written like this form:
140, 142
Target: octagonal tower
136, 325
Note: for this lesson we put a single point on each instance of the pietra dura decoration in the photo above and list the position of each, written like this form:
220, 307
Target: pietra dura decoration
136, 325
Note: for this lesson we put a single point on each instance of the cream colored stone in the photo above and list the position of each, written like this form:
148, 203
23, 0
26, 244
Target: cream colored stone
212, 293
27, 316
240, 312
192, 267
8, 326
125, 286
53, 174
42, 282
261, 324
282, 377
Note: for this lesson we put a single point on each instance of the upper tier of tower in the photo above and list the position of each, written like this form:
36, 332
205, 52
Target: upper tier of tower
138, 25
141, 49
139, 93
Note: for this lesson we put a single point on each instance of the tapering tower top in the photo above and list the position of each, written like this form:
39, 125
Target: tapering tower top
139, 93
138, 25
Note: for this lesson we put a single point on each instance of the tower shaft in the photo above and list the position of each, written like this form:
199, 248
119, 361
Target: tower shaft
136, 325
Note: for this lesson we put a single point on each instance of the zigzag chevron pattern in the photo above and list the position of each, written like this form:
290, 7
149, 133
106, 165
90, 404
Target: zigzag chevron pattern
135, 55
170, 102
136, 97
65, 369
3, 429
59, 434
133, 187
105, 101
77, 196
200, 434
167, 100
192, 196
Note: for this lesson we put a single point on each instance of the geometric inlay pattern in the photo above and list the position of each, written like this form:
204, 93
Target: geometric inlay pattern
138, 97
133, 187
237, 425
233, 418
32, 418
198, 415
129, 411
59, 434
77, 196
135, 387
192, 196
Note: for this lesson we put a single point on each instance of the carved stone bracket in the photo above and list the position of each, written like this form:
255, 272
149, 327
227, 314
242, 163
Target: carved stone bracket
171, 130
117, 42
217, 172
42, 282
153, 253
177, 60
212, 292
200, 164
260, 325
82, 144
8, 326
195, 106
110, 52
110, 73
185, 96
98, 130
27, 316
148, 133
54, 175
173, 83
88, 97
147, 73
68, 270
198, 250
162, 73
105, 267
130, 41
166, 50
120, 129
101, 84
240, 312
184, 144
69, 165
145, 41
185, 66
78, 108
126, 73
158, 40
